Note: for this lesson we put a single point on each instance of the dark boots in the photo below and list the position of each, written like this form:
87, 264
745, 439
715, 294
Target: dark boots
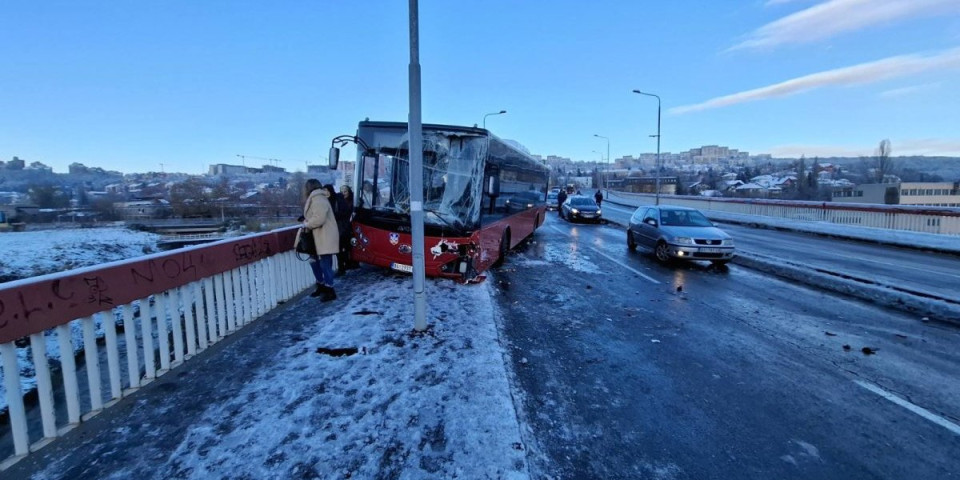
326, 293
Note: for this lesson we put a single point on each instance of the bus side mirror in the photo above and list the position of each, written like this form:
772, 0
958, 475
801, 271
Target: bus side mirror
334, 158
493, 186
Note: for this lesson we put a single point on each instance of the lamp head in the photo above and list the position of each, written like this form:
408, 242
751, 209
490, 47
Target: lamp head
503, 111
638, 91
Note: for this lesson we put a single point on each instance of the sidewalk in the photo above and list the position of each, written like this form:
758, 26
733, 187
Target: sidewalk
264, 403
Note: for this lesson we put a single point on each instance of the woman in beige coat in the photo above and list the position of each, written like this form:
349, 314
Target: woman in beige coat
320, 220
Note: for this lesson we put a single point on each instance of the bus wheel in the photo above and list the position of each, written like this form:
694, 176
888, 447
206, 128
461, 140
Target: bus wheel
504, 246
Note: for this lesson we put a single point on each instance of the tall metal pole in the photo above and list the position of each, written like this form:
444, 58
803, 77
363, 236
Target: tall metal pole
501, 112
416, 173
658, 139
605, 180
659, 167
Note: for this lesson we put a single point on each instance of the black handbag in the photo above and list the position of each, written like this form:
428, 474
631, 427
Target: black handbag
305, 244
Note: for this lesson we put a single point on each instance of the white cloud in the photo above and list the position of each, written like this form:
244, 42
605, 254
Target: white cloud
900, 92
906, 147
892, 67
834, 17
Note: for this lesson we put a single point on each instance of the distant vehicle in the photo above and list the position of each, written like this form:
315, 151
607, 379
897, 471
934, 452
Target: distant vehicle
580, 208
552, 200
678, 233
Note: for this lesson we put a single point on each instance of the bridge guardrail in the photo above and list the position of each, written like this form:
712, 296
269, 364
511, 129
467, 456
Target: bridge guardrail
934, 220
188, 300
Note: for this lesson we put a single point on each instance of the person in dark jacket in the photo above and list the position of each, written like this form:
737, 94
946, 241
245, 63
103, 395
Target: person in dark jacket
561, 197
344, 216
598, 197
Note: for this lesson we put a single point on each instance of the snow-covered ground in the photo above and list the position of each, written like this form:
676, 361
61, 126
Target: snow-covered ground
30, 254
441, 402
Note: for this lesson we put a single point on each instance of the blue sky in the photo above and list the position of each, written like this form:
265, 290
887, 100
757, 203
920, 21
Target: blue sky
129, 85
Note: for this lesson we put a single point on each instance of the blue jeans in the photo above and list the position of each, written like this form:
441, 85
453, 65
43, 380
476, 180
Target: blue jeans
323, 269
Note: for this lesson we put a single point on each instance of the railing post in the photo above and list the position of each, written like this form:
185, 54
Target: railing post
173, 306
146, 336
163, 339
230, 299
130, 334
210, 314
218, 294
41, 365
68, 369
113, 352
18, 414
92, 363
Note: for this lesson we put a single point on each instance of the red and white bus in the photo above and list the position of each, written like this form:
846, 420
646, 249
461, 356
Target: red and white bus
481, 197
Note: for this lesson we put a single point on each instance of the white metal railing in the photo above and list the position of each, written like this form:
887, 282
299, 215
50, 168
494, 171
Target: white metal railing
194, 314
936, 220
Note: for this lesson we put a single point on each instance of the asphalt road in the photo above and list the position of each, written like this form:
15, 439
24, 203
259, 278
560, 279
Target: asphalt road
933, 273
629, 369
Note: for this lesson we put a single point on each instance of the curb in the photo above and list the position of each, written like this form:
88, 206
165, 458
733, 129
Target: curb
942, 310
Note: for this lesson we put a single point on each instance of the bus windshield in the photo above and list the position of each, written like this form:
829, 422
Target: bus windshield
452, 173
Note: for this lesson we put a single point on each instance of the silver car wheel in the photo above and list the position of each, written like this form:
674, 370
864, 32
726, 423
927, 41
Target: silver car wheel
663, 252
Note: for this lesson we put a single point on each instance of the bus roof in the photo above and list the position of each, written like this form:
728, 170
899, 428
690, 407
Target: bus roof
453, 128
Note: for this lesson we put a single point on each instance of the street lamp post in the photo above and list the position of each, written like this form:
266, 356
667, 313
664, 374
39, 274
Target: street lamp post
415, 126
501, 112
658, 139
605, 186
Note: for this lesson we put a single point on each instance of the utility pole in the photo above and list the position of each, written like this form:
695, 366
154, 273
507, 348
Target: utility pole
416, 174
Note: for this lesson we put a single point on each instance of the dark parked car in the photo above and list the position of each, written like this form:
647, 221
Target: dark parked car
678, 233
580, 208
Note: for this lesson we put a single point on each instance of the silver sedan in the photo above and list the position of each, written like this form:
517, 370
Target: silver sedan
678, 233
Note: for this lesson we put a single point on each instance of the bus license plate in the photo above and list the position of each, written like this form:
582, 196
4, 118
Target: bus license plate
401, 267
711, 250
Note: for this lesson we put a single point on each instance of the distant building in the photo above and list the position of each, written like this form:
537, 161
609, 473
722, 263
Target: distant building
272, 169
39, 167
933, 194
224, 169
143, 209
15, 164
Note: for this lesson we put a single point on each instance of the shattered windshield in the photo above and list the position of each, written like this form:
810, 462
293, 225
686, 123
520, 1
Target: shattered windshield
452, 169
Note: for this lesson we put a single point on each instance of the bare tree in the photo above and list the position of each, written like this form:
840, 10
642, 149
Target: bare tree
884, 165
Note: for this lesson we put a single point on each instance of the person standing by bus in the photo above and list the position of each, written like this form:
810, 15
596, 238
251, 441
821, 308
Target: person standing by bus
561, 197
320, 219
344, 216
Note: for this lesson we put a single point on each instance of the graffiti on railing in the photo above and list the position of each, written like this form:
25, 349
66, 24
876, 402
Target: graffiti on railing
253, 248
172, 268
34, 305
